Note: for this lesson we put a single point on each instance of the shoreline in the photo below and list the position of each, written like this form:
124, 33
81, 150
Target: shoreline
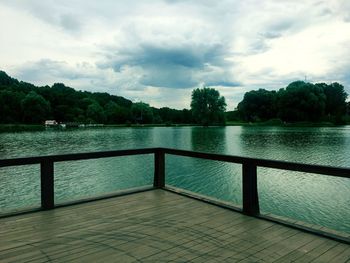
32, 127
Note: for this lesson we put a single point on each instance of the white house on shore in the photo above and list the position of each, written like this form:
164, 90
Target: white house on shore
50, 123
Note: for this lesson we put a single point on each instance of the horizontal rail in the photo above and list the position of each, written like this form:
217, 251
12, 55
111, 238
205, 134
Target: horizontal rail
299, 167
292, 166
74, 157
250, 196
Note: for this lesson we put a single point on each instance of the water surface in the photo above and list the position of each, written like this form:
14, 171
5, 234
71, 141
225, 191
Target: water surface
315, 199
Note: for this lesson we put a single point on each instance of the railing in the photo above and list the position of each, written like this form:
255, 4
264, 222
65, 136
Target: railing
47, 167
249, 170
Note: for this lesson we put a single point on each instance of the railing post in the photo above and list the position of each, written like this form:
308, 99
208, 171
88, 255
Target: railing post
159, 168
250, 189
47, 184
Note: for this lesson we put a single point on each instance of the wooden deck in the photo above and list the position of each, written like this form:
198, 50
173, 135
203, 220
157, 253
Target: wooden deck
157, 226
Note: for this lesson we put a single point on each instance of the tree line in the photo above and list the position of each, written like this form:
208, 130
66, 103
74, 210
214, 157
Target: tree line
22, 102
300, 101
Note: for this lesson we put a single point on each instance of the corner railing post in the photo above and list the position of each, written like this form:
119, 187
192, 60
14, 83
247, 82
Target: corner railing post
159, 168
47, 184
250, 189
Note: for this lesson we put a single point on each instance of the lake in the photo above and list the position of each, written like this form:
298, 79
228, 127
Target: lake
316, 199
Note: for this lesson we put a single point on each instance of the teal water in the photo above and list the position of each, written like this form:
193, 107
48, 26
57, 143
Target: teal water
315, 199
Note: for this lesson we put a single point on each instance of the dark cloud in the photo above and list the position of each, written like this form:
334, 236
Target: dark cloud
224, 83
187, 56
168, 66
169, 76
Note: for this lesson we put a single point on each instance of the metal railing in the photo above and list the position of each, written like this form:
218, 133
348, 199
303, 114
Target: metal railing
249, 170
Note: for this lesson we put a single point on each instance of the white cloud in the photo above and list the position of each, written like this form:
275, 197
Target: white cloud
157, 51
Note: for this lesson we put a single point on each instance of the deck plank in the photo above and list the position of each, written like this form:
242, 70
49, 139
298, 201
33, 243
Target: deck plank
157, 226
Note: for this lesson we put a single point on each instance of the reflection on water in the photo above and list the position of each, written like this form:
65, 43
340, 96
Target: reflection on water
312, 198
208, 139
216, 179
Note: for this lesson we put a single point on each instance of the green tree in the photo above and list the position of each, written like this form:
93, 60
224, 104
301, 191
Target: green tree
186, 116
301, 101
95, 113
207, 106
10, 106
347, 114
66, 103
104, 98
85, 102
335, 105
258, 105
6, 80
142, 112
116, 113
35, 108
233, 115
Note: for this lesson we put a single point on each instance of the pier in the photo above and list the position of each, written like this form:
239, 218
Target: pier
159, 223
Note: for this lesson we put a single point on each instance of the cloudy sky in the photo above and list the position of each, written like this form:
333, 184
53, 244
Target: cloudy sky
157, 51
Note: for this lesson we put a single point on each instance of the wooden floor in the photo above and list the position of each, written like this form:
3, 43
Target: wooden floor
157, 226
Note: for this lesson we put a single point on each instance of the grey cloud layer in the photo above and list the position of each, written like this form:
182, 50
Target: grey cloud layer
170, 66
163, 47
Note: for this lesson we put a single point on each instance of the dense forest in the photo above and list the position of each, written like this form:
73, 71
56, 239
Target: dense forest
298, 102
22, 102
25, 103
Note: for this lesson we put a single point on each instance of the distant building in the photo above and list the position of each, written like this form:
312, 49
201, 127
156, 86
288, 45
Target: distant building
50, 123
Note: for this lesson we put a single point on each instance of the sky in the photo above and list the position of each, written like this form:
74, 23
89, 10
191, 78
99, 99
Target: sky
158, 51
